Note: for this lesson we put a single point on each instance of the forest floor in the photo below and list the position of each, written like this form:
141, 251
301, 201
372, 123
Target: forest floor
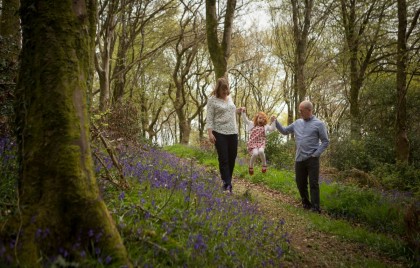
310, 247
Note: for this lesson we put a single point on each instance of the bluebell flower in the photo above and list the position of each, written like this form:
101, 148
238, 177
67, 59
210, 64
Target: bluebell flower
121, 196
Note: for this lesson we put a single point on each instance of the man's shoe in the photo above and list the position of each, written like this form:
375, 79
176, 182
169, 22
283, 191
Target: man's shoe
316, 210
251, 171
306, 206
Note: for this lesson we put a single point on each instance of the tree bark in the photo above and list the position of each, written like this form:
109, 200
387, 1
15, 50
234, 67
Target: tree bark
10, 40
9, 23
219, 51
58, 194
362, 29
186, 49
301, 28
105, 42
402, 145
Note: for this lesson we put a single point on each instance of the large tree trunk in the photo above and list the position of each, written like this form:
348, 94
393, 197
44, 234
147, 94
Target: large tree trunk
352, 41
9, 23
184, 130
301, 28
10, 40
61, 209
360, 22
186, 50
402, 145
105, 43
219, 52
104, 80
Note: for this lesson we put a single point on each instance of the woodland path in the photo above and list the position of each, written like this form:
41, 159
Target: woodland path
310, 247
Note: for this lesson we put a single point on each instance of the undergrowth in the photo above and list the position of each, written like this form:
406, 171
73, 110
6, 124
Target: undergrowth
175, 214
379, 213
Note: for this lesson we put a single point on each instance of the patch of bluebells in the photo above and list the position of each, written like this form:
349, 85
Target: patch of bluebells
7, 151
214, 226
9, 172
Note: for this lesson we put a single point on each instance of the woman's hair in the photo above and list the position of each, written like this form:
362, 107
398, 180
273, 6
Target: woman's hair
256, 118
221, 84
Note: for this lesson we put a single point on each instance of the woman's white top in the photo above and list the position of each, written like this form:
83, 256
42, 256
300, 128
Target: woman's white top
221, 115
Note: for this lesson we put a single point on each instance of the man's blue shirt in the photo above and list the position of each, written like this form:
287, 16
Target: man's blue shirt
311, 137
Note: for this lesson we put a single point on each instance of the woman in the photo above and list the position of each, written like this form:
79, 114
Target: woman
222, 129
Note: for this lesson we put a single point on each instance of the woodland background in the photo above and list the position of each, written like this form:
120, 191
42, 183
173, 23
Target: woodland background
153, 68
146, 69
357, 62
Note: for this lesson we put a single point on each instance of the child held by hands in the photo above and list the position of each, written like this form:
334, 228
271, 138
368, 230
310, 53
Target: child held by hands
258, 129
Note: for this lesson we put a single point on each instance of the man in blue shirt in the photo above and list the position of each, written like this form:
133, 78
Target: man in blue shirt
311, 140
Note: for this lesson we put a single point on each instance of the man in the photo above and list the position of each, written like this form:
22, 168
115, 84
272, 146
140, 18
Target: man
309, 131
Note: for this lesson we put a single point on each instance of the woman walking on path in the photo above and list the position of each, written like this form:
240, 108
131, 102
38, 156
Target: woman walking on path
258, 129
222, 129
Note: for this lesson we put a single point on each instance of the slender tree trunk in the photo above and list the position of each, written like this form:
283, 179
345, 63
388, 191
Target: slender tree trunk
144, 115
184, 130
352, 40
301, 28
359, 21
105, 43
104, 84
219, 51
355, 86
119, 73
61, 209
402, 145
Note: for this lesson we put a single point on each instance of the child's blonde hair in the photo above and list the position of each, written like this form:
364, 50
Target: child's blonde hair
265, 117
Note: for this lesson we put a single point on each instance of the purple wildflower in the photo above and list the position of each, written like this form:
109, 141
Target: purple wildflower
108, 259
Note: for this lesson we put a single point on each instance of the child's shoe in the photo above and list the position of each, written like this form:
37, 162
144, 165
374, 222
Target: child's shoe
251, 171
264, 169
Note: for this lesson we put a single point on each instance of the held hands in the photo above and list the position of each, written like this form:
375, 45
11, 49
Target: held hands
241, 110
273, 118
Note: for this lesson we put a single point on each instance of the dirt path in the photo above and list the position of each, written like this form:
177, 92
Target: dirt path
310, 247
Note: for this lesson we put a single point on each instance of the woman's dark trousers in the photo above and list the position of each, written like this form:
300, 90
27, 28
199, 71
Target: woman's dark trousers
227, 149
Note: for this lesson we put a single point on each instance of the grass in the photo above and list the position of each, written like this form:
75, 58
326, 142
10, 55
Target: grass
174, 213
392, 247
363, 215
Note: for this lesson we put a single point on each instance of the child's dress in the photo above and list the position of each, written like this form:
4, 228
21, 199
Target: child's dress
257, 135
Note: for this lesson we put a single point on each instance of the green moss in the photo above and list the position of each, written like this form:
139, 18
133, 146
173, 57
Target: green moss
59, 196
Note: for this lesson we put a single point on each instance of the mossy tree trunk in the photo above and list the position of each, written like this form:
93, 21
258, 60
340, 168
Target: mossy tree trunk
62, 212
219, 51
362, 26
301, 26
402, 145
105, 44
9, 23
10, 40
186, 49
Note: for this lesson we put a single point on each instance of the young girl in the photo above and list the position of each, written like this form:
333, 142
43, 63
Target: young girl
258, 129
